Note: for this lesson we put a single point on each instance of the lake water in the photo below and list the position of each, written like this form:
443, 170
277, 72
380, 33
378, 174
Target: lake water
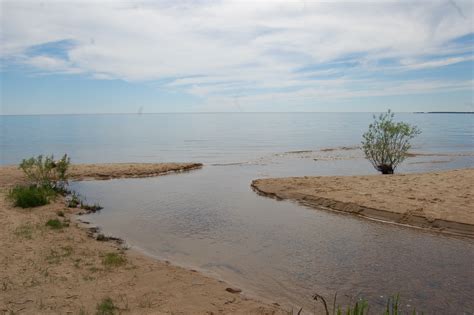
209, 138
211, 220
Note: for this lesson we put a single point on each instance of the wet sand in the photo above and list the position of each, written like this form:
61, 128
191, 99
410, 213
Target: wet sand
44, 271
439, 201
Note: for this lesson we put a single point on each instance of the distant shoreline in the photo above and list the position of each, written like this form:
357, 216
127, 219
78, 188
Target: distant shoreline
443, 112
217, 113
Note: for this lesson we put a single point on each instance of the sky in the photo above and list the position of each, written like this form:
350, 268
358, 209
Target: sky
70, 57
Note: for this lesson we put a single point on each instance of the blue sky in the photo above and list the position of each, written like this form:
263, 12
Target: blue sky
187, 56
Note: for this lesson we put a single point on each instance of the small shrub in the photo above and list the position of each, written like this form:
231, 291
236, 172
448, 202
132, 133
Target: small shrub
113, 260
60, 213
386, 143
46, 172
106, 307
31, 196
55, 224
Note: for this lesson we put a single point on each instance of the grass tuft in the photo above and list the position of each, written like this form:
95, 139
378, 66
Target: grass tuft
113, 260
361, 307
55, 224
106, 307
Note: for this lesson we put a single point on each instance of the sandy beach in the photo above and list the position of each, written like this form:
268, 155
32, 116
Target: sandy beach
66, 271
439, 201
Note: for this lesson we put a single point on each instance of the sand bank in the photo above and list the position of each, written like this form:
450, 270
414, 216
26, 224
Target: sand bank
12, 175
46, 271
441, 201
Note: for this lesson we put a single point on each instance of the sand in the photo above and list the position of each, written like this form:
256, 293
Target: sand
12, 175
439, 201
45, 271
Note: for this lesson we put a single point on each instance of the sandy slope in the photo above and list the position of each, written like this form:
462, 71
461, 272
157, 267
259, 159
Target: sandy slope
44, 271
442, 201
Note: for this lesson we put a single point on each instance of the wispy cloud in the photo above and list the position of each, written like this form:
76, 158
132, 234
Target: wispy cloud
219, 49
413, 65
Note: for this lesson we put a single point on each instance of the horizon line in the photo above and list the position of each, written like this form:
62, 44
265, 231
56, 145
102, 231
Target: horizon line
286, 112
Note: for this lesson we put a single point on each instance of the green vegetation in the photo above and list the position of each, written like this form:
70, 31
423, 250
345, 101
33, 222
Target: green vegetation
106, 307
113, 260
30, 196
55, 224
361, 307
46, 178
75, 201
46, 172
386, 143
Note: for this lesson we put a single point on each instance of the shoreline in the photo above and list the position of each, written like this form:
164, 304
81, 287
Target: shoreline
413, 200
45, 270
12, 175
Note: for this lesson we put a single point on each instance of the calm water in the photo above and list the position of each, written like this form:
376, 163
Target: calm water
208, 138
211, 220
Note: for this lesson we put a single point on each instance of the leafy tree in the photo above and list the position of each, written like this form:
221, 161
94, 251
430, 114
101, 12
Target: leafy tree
386, 143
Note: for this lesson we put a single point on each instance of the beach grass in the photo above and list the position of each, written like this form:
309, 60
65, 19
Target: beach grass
55, 224
113, 260
106, 307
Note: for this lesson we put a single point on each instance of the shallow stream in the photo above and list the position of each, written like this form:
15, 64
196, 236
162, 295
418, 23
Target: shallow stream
211, 220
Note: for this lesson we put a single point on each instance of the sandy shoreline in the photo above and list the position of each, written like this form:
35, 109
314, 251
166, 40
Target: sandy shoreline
44, 271
11, 175
439, 201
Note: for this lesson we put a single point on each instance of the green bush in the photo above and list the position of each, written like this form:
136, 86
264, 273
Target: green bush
386, 143
30, 196
46, 172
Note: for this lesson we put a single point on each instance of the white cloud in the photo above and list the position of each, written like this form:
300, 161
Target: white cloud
49, 64
226, 48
